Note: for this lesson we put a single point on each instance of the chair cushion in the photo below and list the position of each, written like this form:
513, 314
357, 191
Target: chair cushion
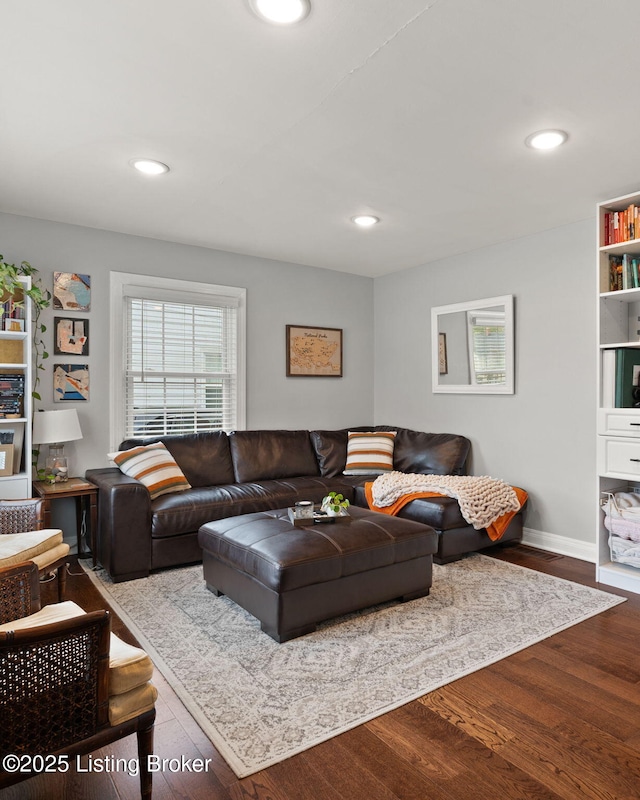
369, 452
50, 557
154, 466
17, 547
46, 616
129, 666
123, 707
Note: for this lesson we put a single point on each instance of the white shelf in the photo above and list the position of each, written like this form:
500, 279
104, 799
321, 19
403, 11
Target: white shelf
616, 345
632, 247
623, 295
17, 345
622, 576
9, 478
618, 442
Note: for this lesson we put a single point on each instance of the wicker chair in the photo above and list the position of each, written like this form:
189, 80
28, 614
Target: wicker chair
47, 550
55, 682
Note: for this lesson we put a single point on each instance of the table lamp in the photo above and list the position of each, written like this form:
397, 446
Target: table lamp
54, 428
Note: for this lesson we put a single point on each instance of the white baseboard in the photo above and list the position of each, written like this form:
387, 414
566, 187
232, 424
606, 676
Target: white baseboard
585, 551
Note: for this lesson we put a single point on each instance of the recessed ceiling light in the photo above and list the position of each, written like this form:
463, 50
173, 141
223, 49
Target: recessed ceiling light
148, 166
546, 140
365, 220
282, 12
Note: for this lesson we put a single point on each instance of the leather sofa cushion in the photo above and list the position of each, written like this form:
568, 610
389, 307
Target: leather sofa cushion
331, 448
414, 451
331, 451
269, 548
266, 455
205, 458
186, 511
429, 453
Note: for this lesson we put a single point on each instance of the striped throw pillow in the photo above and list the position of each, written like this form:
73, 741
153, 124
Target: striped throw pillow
370, 453
154, 466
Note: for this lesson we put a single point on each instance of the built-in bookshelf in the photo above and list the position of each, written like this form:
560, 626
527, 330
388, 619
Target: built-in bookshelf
15, 396
618, 326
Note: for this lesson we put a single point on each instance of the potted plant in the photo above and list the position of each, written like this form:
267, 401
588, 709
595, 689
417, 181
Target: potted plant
335, 504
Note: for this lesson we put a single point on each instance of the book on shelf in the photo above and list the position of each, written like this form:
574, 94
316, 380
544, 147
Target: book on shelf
11, 394
621, 226
621, 377
12, 384
624, 272
608, 378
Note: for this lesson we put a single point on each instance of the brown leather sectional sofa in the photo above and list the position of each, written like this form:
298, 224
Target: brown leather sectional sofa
247, 471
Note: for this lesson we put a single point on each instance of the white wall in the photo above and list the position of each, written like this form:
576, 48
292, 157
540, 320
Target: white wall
542, 437
277, 294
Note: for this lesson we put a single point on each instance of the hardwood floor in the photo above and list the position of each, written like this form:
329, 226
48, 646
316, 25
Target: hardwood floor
560, 719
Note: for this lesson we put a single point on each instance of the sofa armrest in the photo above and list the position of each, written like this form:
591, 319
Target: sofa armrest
124, 524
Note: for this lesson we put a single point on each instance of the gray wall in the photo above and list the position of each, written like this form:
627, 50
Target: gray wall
277, 294
542, 437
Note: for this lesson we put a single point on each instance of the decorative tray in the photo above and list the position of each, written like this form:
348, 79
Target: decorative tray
319, 517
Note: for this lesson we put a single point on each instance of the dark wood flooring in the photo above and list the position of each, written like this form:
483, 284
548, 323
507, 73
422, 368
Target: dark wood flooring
560, 719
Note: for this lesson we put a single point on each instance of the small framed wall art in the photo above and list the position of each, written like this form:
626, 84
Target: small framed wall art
314, 352
71, 336
70, 382
71, 291
14, 325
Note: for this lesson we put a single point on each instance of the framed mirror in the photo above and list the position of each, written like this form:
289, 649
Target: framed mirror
472, 347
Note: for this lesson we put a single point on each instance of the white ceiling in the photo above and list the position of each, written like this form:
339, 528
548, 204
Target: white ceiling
413, 110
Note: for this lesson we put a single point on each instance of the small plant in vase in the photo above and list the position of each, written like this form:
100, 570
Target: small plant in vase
335, 504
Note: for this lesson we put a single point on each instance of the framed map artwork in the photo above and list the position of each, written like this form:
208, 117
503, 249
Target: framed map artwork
314, 352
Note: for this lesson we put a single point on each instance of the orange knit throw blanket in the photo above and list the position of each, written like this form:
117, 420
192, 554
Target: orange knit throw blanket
495, 530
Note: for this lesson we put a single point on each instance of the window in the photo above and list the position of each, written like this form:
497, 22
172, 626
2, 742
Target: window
487, 347
182, 357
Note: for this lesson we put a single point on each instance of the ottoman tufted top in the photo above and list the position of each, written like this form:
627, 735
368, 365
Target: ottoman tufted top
283, 557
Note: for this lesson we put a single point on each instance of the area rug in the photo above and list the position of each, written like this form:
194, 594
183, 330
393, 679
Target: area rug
260, 702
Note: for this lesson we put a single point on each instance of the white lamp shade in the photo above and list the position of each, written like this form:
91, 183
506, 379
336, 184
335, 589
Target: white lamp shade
50, 427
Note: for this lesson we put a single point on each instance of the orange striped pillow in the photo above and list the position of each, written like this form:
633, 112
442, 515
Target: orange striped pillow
370, 452
154, 466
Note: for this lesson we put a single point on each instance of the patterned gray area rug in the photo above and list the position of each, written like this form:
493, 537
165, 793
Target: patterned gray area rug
260, 702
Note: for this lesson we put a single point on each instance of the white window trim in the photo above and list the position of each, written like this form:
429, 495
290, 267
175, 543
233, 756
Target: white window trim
124, 282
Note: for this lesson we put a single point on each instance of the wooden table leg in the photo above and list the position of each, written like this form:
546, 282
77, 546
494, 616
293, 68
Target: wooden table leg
93, 516
79, 505
47, 512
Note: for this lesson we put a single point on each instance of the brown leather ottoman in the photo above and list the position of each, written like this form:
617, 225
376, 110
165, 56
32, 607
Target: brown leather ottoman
291, 578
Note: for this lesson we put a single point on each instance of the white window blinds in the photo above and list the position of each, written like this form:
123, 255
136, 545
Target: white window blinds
487, 346
181, 364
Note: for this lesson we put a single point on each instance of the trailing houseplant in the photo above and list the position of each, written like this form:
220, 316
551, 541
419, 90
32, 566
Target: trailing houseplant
40, 297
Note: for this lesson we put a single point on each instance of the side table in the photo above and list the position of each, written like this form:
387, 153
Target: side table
86, 495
